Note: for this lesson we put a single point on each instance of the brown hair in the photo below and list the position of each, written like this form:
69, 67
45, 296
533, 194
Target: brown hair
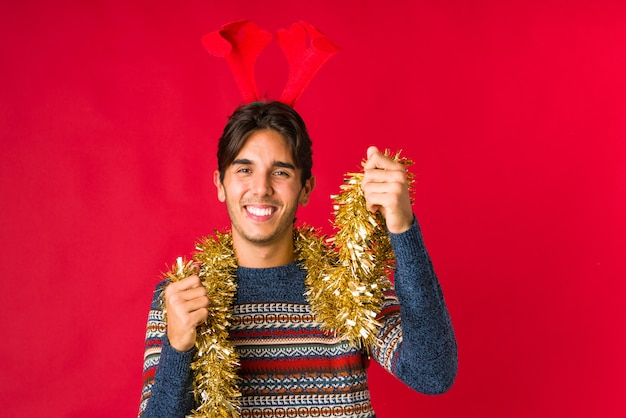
252, 117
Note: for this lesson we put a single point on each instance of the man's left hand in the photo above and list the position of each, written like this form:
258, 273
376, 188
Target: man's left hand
386, 190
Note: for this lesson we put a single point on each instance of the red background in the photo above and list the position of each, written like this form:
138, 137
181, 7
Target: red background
514, 113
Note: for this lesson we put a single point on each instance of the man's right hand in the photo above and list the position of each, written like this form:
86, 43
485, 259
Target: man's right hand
186, 302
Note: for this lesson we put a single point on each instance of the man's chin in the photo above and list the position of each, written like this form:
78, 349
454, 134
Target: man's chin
258, 237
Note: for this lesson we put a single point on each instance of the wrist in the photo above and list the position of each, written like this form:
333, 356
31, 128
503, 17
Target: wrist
182, 345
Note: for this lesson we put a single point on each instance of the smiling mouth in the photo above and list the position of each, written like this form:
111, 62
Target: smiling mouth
257, 211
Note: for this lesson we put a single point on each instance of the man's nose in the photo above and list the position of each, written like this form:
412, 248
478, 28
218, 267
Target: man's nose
263, 184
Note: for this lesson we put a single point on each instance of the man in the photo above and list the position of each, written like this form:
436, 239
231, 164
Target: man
293, 367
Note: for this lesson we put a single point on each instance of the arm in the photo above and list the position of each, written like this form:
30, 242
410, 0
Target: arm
167, 387
418, 343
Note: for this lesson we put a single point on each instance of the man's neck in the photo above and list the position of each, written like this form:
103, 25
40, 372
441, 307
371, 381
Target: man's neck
263, 255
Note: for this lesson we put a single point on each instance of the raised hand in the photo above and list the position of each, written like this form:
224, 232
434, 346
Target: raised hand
386, 190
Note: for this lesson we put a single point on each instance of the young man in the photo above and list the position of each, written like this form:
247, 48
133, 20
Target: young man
293, 368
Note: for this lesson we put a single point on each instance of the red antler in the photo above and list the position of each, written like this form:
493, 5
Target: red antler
304, 61
240, 43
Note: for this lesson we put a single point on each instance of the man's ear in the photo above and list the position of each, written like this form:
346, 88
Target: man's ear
305, 193
221, 195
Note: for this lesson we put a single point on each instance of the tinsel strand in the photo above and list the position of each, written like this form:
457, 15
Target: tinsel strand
346, 294
216, 362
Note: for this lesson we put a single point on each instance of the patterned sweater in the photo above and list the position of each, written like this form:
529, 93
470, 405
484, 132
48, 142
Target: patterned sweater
290, 367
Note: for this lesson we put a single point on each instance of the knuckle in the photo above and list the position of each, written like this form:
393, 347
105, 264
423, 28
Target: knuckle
173, 299
169, 290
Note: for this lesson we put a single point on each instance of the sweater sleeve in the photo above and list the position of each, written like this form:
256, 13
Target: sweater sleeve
167, 377
418, 344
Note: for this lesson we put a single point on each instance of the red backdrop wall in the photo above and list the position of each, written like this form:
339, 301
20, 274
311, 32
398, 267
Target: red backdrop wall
514, 113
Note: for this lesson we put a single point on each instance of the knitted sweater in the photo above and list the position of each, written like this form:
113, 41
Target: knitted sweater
290, 367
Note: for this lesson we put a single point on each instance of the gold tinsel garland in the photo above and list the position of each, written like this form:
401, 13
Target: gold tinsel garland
346, 277
216, 361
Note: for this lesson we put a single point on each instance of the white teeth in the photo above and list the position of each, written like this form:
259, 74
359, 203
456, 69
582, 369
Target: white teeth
260, 211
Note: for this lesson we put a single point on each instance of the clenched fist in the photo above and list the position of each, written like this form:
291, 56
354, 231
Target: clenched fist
186, 302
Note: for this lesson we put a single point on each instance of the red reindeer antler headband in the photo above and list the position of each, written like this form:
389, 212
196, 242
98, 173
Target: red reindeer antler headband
242, 42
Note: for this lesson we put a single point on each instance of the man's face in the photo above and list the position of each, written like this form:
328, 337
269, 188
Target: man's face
262, 189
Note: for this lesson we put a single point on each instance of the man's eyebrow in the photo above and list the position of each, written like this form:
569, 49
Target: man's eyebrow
241, 161
283, 164
280, 164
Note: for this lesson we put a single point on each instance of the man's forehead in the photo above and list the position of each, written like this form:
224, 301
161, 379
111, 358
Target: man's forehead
263, 145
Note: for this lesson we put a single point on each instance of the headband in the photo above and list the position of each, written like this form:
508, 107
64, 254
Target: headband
242, 42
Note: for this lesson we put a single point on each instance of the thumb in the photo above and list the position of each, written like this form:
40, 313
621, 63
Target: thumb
371, 151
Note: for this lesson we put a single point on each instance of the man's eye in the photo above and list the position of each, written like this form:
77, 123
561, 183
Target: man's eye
244, 170
281, 173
